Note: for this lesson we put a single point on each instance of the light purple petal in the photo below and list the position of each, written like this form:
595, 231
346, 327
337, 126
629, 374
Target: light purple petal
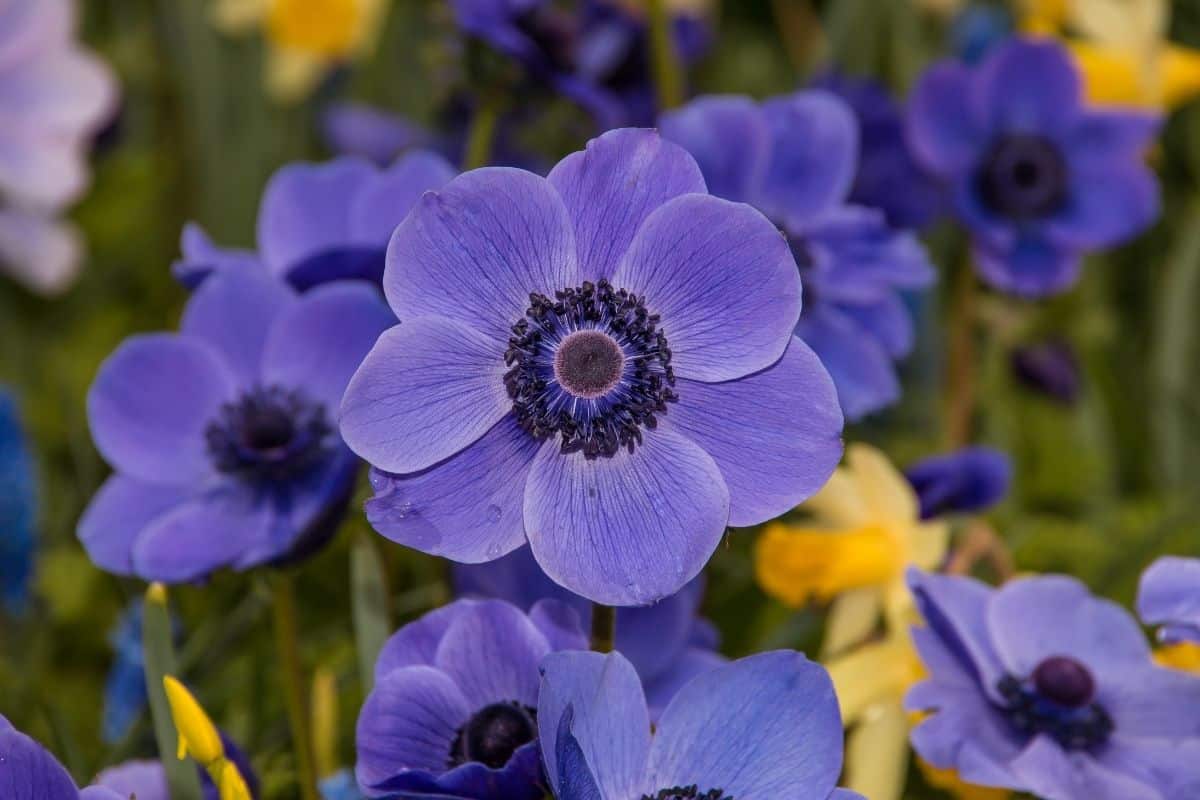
474, 250
724, 282
492, 652
942, 127
1172, 766
860, 368
887, 321
386, 198
1169, 594
763, 727
730, 139
956, 609
626, 530
29, 772
116, 516
693, 662
1106, 207
1027, 85
775, 435
1103, 137
610, 188
1045, 769
1031, 267
150, 403
430, 387
559, 623
41, 252
469, 508
145, 780
1152, 701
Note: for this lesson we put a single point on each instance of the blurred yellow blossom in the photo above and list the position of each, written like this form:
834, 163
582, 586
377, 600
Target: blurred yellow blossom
198, 738
1182, 656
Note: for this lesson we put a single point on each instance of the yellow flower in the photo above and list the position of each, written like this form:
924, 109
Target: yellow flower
198, 737
948, 781
1182, 656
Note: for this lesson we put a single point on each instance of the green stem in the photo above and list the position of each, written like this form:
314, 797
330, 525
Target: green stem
483, 131
288, 644
668, 74
604, 628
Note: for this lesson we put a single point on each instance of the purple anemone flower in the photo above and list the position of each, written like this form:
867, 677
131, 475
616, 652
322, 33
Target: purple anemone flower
224, 436
454, 708
1169, 595
967, 480
667, 643
1037, 178
319, 223
761, 728
600, 363
1040, 687
794, 157
147, 780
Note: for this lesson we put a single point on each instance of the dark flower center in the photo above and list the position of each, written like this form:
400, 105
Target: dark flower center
1023, 176
268, 433
590, 366
493, 734
687, 793
1057, 701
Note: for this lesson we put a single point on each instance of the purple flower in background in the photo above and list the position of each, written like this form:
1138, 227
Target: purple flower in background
224, 436
319, 223
967, 480
887, 178
1036, 177
355, 129
794, 157
1040, 687
1169, 595
667, 643
1049, 368
600, 363
453, 711
147, 780
18, 508
54, 96
761, 728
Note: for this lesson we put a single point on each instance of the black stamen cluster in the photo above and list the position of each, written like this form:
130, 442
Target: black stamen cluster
687, 793
493, 734
609, 423
269, 433
1073, 728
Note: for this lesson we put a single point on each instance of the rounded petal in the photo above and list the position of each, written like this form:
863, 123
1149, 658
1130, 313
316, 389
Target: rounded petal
730, 139
611, 187
1027, 85
145, 780
468, 508
630, 529
417, 642
1106, 207
956, 610
942, 128
41, 252
1102, 137
386, 198
814, 156
491, 651
1031, 267
318, 342
691, 663
1169, 594
428, 388
1045, 769
233, 312
859, 366
775, 435
150, 403
474, 250
763, 727
722, 279
28, 771
1153, 702
117, 515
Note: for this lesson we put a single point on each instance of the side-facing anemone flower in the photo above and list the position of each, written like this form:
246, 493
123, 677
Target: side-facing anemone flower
761, 728
667, 643
29, 772
600, 363
229, 426
454, 708
968, 480
794, 157
323, 222
54, 96
1037, 178
1040, 687
1169, 595
18, 508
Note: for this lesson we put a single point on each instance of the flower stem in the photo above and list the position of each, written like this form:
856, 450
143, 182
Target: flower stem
287, 642
483, 131
668, 74
961, 359
604, 628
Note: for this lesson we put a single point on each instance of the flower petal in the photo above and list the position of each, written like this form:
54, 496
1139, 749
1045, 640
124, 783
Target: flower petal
693, 662
730, 139
492, 652
1169, 594
386, 198
626, 530
942, 128
1106, 207
427, 389
956, 610
1027, 85
1030, 267
1045, 769
859, 366
723, 280
775, 435
28, 770
117, 515
416, 643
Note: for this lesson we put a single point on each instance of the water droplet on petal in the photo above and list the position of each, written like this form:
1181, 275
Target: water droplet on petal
493, 513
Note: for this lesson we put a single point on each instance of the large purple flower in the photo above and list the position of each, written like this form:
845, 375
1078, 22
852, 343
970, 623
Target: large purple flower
1038, 178
761, 728
600, 363
1169, 595
319, 223
1040, 687
454, 708
794, 157
667, 643
224, 436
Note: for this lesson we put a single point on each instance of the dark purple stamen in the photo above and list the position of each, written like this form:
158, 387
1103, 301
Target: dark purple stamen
1057, 701
493, 734
1065, 681
1023, 177
590, 366
687, 793
268, 434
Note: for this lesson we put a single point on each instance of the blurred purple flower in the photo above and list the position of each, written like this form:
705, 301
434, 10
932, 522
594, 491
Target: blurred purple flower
18, 508
968, 480
147, 780
1040, 687
618, 428
1036, 177
667, 643
454, 706
1049, 368
1169, 595
794, 157
354, 129
765, 726
977, 29
229, 426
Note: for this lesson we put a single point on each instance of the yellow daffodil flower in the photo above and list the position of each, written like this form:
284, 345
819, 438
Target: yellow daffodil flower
198, 738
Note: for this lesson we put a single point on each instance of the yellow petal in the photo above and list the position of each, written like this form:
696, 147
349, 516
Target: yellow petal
1113, 76
1183, 656
887, 494
230, 783
1180, 71
839, 503
877, 753
875, 673
796, 564
927, 544
197, 734
293, 74
1131, 24
238, 16
852, 618
325, 28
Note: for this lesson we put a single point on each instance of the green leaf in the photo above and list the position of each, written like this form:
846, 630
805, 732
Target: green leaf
372, 623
